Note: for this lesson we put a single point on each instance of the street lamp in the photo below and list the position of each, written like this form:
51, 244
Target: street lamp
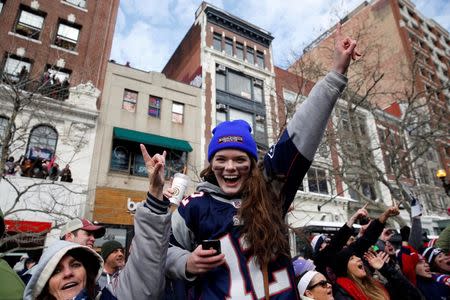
441, 174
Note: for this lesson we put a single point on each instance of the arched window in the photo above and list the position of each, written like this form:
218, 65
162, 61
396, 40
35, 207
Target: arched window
42, 142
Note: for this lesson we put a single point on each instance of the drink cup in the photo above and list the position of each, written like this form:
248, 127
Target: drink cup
179, 186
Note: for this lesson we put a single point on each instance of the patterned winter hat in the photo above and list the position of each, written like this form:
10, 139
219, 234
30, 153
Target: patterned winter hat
430, 254
232, 135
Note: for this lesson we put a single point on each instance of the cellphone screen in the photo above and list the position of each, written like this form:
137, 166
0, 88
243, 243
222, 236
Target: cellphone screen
214, 244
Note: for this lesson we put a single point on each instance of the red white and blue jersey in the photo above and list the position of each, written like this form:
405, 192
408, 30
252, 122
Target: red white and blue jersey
209, 214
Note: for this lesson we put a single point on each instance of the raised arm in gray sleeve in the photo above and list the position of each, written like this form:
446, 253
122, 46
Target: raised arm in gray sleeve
308, 124
143, 275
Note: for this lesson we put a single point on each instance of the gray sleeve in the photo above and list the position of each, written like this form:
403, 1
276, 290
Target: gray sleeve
177, 256
143, 275
415, 236
308, 124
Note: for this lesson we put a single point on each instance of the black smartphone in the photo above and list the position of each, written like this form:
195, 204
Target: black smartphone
211, 244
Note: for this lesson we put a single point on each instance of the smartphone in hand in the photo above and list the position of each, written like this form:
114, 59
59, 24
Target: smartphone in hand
211, 244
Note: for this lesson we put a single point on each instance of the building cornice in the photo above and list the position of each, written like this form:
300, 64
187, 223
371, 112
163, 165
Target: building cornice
238, 26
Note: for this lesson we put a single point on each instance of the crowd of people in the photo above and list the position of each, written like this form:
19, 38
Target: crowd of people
241, 205
37, 168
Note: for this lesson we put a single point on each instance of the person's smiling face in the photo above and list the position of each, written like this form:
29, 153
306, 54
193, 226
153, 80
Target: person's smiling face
68, 279
231, 168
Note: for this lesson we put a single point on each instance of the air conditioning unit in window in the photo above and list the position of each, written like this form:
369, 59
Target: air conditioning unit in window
221, 68
259, 118
221, 107
257, 82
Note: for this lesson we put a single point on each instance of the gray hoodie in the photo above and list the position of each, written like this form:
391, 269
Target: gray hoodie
50, 259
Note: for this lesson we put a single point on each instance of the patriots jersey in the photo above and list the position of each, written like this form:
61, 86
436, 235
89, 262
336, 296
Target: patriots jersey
207, 215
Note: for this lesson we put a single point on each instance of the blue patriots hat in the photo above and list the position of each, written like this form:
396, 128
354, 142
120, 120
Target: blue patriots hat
232, 135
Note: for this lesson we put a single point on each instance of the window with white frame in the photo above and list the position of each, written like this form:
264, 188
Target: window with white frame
29, 23
236, 114
239, 84
79, 3
177, 112
129, 100
67, 35
317, 181
16, 67
42, 142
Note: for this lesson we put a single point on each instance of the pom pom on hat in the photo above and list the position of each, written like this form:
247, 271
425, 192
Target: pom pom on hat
232, 135
302, 265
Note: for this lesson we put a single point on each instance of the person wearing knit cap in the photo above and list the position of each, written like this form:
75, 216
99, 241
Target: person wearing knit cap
301, 266
113, 255
352, 279
319, 242
438, 260
415, 267
314, 285
242, 203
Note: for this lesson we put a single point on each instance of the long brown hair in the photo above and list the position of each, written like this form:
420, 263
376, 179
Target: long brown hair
261, 213
369, 286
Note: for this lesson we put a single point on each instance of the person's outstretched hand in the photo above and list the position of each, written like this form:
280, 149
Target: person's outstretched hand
376, 261
360, 213
390, 212
155, 170
344, 51
201, 261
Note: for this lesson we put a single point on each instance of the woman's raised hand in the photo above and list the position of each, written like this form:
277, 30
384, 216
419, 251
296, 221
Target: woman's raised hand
344, 51
155, 169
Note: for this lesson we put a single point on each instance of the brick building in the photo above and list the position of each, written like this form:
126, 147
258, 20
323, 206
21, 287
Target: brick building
70, 38
53, 59
402, 51
231, 60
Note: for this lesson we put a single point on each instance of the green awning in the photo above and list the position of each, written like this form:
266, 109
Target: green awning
151, 139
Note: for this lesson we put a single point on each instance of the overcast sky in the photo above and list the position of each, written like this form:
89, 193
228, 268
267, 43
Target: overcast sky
148, 31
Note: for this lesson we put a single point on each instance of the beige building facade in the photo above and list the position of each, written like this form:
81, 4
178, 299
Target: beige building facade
140, 107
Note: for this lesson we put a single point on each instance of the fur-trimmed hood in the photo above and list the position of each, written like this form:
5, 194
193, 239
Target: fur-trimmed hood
50, 259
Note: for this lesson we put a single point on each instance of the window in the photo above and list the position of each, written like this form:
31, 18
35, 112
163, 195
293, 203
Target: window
16, 68
129, 100
229, 46
366, 188
239, 50
126, 157
220, 81
154, 106
257, 90
236, 114
217, 41
79, 3
67, 35
260, 59
177, 112
239, 85
221, 116
29, 23
317, 181
250, 55
1, 5
42, 142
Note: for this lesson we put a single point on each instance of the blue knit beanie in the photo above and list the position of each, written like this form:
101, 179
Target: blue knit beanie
232, 135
